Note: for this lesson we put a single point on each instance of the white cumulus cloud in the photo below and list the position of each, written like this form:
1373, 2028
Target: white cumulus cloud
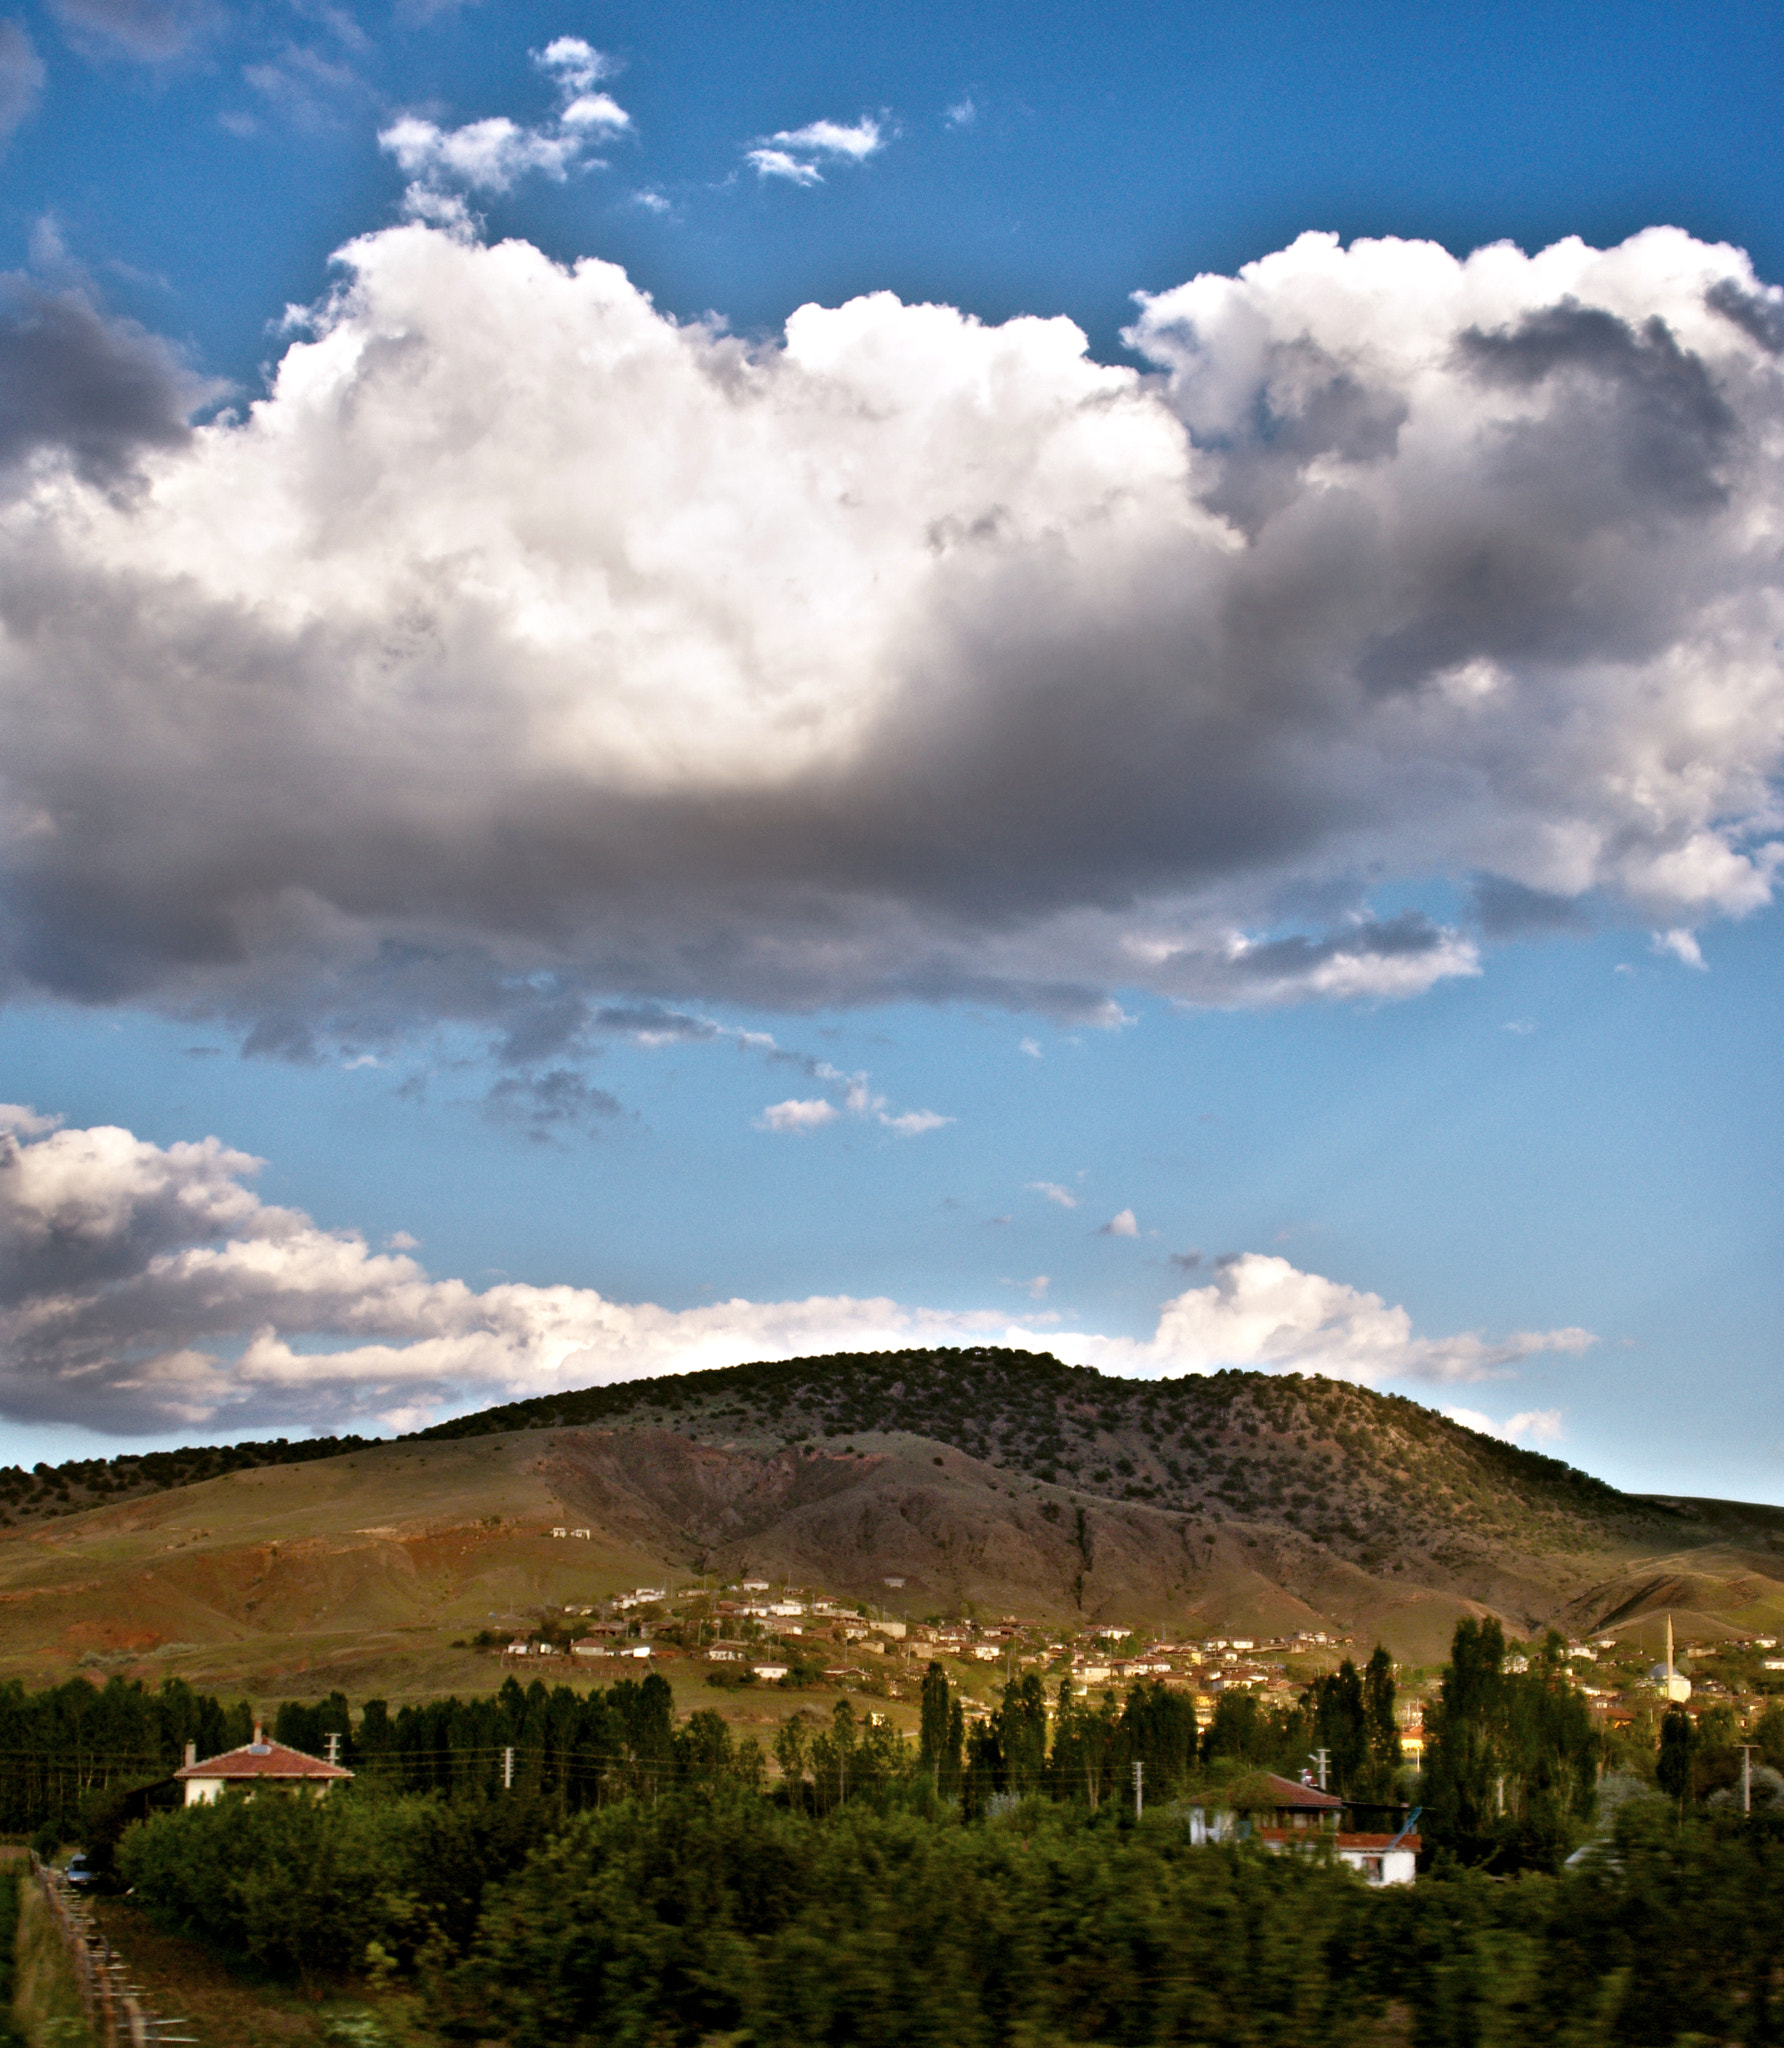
1261, 1311
148, 1287
523, 635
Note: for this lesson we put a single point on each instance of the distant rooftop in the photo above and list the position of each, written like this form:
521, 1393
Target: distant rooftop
262, 1760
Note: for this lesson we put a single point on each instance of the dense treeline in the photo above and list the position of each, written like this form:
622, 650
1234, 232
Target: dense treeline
60, 1746
713, 1914
90, 1482
572, 1748
586, 1749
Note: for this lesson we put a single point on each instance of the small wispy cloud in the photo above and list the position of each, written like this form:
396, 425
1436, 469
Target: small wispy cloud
1681, 944
1031, 1046
549, 1105
962, 114
1054, 1193
914, 1122
151, 31
579, 66
302, 86
493, 155
1123, 1225
797, 1116
21, 76
776, 163
796, 153
830, 138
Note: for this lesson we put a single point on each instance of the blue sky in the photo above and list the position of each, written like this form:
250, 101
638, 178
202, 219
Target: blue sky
1269, 815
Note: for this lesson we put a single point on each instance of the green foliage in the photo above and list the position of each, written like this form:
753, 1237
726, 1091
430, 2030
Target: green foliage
1512, 1761
301, 1886
11, 1875
62, 1746
1678, 1741
663, 1899
1768, 1736
696, 1920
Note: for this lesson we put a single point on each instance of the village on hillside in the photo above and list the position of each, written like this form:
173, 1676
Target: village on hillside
763, 1633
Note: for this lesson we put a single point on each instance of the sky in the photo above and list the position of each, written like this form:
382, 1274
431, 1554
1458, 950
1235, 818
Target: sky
697, 683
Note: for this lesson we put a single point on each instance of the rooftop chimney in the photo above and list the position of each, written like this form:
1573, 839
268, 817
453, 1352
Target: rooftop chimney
191, 1754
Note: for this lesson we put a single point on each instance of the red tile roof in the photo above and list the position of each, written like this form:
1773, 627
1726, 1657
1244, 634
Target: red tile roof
1305, 1798
262, 1760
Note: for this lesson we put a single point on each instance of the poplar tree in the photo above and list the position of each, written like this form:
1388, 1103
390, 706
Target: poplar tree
932, 1737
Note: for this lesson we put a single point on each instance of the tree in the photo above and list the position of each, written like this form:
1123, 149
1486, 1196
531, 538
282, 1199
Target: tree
932, 1737
1768, 1734
1236, 1733
954, 1757
1340, 1727
1513, 1758
1380, 1729
1022, 1734
1083, 1747
790, 1744
1678, 1741
1158, 1729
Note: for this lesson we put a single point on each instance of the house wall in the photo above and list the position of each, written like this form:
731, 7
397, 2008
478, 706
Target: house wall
206, 1791
1382, 1866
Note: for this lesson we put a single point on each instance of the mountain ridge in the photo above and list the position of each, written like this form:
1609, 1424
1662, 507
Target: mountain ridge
979, 1478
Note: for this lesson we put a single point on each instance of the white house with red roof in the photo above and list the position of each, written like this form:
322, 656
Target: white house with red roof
254, 1764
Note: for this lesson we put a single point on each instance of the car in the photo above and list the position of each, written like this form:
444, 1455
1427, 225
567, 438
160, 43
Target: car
80, 1872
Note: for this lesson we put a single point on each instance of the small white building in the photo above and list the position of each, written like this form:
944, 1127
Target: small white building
256, 1764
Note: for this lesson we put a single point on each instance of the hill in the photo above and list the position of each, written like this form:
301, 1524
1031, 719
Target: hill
997, 1479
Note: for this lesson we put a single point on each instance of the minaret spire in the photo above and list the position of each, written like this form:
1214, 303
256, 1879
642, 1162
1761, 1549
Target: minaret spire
1672, 1686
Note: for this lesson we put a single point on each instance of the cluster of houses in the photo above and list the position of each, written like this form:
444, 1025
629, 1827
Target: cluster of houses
763, 1630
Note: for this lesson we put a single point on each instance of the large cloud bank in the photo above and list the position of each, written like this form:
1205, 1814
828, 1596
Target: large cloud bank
522, 639
149, 1288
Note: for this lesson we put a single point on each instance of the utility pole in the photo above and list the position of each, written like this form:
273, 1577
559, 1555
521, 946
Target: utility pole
1320, 1759
1139, 1790
1746, 1749
507, 1770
